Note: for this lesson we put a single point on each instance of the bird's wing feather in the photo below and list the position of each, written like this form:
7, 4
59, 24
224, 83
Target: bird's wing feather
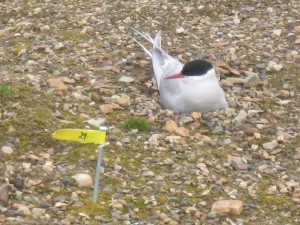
163, 64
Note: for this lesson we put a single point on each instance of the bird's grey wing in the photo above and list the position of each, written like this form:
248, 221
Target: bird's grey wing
163, 64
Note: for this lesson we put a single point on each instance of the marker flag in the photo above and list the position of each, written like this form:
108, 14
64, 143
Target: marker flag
81, 135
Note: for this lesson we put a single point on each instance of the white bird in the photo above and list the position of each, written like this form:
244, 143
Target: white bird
192, 87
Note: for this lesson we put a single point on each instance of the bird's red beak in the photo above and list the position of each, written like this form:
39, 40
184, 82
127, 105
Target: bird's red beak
175, 76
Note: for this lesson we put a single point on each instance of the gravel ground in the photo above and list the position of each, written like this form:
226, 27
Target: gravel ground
74, 64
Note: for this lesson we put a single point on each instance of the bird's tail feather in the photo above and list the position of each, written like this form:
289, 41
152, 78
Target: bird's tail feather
157, 54
156, 42
144, 48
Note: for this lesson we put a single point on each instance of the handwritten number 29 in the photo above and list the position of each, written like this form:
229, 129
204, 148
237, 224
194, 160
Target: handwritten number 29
83, 136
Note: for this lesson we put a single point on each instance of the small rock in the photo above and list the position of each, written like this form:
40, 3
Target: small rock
218, 130
270, 10
274, 66
45, 28
84, 215
275, 151
126, 79
87, 30
38, 212
252, 80
277, 32
83, 180
60, 204
182, 131
144, 63
97, 122
26, 165
168, 161
58, 46
284, 93
241, 116
243, 184
179, 30
292, 183
22, 209
277, 67
284, 102
238, 164
250, 131
236, 20
196, 116
222, 207
154, 139
57, 83
171, 126
123, 100
203, 138
230, 81
253, 112
4, 193
211, 215
48, 168
7, 150
148, 173
270, 145
272, 190
106, 108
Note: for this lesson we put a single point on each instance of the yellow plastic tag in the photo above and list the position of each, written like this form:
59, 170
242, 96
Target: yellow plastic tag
81, 135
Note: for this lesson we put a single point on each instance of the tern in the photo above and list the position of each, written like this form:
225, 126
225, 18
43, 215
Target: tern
193, 87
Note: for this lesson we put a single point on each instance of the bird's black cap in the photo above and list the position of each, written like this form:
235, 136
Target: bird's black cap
196, 68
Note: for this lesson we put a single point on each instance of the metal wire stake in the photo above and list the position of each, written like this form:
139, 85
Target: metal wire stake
97, 176
98, 167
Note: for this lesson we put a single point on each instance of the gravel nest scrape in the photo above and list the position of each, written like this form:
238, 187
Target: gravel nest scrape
68, 62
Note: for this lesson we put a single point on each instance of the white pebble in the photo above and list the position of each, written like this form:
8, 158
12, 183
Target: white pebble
7, 150
83, 180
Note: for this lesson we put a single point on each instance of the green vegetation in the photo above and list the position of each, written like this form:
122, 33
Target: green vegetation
5, 90
137, 123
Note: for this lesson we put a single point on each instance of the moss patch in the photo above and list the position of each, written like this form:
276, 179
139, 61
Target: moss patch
136, 123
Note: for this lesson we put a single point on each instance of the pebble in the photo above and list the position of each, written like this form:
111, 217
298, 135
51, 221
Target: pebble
148, 173
22, 209
4, 194
241, 116
106, 108
179, 30
182, 131
45, 28
126, 79
270, 10
196, 116
97, 122
218, 130
277, 32
123, 100
234, 207
171, 126
238, 164
57, 83
83, 180
7, 150
58, 46
38, 212
168, 161
292, 183
274, 66
270, 145
251, 80
154, 139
